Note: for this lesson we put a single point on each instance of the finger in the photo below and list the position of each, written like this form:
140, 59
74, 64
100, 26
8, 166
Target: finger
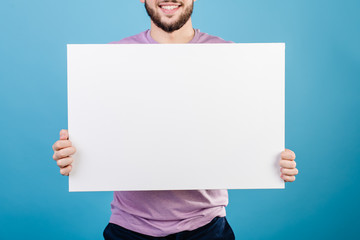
66, 170
64, 134
63, 153
287, 164
290, 172
288, 178
60, 144
64, 162
288, 154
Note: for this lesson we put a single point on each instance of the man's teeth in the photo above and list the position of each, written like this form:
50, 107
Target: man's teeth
169, 7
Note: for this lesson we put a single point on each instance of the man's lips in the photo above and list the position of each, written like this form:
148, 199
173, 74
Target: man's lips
169, 8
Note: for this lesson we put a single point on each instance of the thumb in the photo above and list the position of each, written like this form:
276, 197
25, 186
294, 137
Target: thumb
64, 134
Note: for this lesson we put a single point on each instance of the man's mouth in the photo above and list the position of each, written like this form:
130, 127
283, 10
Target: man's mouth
169, 8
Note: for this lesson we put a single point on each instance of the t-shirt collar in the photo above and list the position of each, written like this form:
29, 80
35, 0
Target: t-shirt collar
151, 40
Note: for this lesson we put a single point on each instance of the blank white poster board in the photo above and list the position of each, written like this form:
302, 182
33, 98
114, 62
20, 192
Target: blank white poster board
176, 116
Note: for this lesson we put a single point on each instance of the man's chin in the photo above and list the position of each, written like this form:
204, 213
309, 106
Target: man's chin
169, 22
165, 18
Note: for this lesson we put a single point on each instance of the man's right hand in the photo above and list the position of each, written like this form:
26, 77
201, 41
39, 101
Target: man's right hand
63, 150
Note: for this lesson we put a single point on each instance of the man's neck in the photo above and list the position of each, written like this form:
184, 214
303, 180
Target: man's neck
183, 35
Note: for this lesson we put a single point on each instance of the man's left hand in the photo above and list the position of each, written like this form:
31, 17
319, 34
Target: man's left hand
288, 166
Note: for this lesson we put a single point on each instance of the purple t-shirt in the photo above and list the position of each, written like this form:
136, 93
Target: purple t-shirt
161, 213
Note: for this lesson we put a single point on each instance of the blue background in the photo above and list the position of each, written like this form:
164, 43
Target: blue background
322, 113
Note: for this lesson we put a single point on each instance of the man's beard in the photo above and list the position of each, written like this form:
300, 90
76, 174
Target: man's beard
170, 27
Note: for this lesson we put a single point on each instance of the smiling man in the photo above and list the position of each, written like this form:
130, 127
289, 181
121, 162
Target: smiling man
188, 214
